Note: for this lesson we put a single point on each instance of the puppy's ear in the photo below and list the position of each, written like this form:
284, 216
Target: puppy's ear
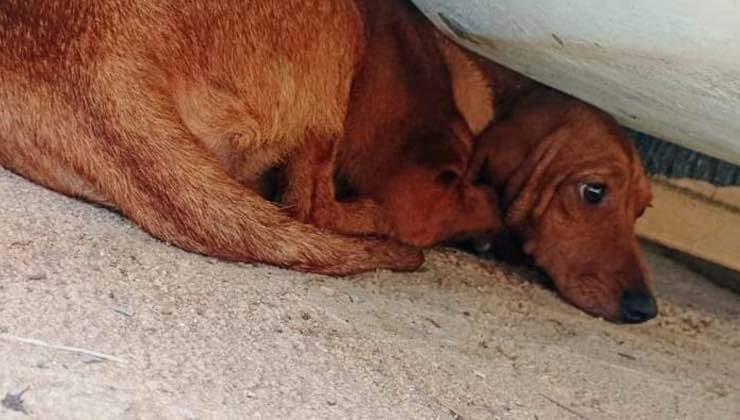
498, 151
452, 146
471, 90
507, 85
505, 145
531, 187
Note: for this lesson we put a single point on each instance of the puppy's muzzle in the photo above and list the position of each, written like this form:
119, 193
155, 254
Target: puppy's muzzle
636, 307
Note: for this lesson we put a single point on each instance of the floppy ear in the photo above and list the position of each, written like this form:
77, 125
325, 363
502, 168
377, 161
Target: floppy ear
498, 151
450, 147
471, 90
504, 144
533, 184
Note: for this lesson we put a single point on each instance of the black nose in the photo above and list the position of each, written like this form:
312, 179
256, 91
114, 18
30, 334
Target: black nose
637, 307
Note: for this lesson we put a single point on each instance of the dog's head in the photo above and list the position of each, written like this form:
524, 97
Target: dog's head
571, 185
431, 197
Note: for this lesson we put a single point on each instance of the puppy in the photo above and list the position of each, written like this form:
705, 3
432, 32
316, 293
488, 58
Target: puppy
169, 111
570, 186
429, 194
413, 159
419, 171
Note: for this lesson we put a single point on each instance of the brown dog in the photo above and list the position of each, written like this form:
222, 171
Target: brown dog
571, 186
428, 192
546, 155
413, 158
419, 169
166, 110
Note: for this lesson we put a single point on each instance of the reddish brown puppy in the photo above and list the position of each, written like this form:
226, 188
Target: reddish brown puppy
429, 194
409, 134
571, 186
410, 138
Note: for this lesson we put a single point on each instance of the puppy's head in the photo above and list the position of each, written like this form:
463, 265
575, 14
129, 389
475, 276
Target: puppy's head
431, 198
571, 185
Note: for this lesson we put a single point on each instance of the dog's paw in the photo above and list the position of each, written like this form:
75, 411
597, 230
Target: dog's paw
363, 217
395, 256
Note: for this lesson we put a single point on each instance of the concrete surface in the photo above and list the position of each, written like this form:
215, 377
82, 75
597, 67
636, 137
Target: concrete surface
199, 338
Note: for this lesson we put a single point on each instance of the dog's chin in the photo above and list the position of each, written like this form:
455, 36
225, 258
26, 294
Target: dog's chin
507, 248
619, 305
587, 300
611, 316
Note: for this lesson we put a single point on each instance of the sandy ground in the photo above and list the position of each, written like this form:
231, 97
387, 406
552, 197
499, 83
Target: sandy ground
193, 337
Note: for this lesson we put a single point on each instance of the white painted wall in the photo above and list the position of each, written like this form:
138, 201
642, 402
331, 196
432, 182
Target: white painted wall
670, 68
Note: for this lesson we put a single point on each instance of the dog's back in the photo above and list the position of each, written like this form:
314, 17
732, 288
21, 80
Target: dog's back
142, 104
233, 67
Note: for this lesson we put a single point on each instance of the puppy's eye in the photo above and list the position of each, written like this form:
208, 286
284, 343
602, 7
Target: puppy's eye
592, 193
447, 177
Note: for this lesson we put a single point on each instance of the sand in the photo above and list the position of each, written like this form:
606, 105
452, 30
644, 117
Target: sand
182, 336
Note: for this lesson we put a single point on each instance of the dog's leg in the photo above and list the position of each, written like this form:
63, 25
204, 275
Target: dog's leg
161, 177
311, 196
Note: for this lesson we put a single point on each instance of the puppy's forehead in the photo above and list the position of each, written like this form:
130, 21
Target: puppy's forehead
433, 151
612, 155
598, 131
599, 147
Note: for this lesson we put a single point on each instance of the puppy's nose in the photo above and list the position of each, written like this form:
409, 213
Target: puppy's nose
636, 307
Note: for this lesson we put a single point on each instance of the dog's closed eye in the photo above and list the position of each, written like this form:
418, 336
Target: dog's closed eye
447, 177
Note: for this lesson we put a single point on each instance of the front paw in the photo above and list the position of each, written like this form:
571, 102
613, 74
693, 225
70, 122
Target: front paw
360, 217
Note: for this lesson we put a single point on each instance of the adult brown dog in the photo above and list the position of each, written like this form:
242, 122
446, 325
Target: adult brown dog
166, 110
571, 186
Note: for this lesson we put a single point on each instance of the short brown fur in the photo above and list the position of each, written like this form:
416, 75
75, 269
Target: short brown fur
166, 110
537, 158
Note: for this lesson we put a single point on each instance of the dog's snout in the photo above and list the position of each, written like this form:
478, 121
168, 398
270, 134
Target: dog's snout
636, 307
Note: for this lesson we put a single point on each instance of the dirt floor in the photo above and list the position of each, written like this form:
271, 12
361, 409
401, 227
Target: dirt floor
183, 336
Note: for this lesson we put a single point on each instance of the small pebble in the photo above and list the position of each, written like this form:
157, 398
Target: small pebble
14, 401
90, 359
354, 298
125, 312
